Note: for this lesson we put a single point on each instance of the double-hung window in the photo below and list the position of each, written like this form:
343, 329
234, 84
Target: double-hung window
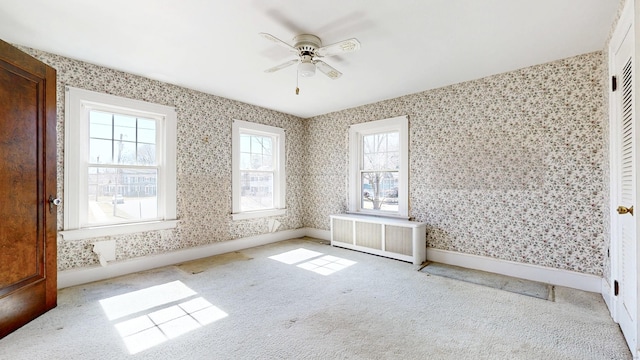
378, 160
258, 170
119, 165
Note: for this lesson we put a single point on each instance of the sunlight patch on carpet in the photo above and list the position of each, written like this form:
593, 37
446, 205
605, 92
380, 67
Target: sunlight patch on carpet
135, 301
313, 261
326, 265
169, 317
295, 256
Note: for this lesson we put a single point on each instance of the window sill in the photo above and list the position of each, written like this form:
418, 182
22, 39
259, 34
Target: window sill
258, 214
99, 231
378, 214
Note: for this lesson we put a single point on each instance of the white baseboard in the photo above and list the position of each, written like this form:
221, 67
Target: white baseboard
541, 274
609, 298
318, 234
89, 274
566, 278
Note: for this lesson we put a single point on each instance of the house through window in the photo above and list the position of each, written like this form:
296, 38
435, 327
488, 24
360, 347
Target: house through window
258, 170
378, 167
119, 162
122, 164
379, 171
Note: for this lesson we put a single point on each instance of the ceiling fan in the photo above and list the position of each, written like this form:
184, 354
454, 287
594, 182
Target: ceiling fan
309, 48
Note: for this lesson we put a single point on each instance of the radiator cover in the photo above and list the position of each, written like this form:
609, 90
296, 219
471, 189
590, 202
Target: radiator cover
395, 238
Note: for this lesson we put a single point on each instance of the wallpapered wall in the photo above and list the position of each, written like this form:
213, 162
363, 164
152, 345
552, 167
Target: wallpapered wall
509, 166
203, 162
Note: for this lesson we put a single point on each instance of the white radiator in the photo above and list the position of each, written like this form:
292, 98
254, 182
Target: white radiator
398, 239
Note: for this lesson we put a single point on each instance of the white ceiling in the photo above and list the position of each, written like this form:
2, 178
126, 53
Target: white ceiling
407, 45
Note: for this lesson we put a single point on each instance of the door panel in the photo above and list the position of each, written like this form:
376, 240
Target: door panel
17, 260
27, 178
624, 233
627, 192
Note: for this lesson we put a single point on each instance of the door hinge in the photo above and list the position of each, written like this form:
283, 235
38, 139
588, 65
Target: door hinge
616, 288
614, 83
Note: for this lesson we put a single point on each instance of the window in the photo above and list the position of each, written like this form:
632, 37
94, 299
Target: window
119, 165
378, 167
258, 170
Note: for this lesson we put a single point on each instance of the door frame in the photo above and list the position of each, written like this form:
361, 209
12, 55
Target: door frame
626, 26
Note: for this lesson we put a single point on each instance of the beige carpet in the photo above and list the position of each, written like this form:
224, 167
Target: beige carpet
302, 299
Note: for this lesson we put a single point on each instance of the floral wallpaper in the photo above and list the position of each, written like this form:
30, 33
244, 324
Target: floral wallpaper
510, 166
203, 162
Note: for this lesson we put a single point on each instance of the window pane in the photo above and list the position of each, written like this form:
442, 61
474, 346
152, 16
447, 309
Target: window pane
100, 151
256, 162
124, 127
256, 152
267, 162
267, 145
369, 144
379, 190
245, 161
245, 143
117, 195
393, 160
371, 162
100, 124
130, 141
146, 154
393, 143
98, 130
146, 131
259, 144
257, 191
381, 151
100, 117
125, 152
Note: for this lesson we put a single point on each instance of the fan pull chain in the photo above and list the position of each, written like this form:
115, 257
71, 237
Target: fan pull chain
297, 88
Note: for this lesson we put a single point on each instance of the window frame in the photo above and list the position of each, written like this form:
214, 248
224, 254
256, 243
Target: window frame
240, 127
356, 134
78, 104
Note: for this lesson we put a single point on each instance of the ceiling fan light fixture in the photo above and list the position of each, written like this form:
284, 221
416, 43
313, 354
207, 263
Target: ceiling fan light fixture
308, 47
306, 69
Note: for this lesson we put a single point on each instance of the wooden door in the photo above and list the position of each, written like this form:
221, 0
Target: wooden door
27, 179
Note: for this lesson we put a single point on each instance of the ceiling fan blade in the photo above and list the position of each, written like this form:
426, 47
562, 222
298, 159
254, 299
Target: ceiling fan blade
327, 69
282, 66
345, 46
279, 42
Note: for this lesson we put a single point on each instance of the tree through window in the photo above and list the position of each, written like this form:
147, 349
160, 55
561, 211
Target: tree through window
379, 174
378, 167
